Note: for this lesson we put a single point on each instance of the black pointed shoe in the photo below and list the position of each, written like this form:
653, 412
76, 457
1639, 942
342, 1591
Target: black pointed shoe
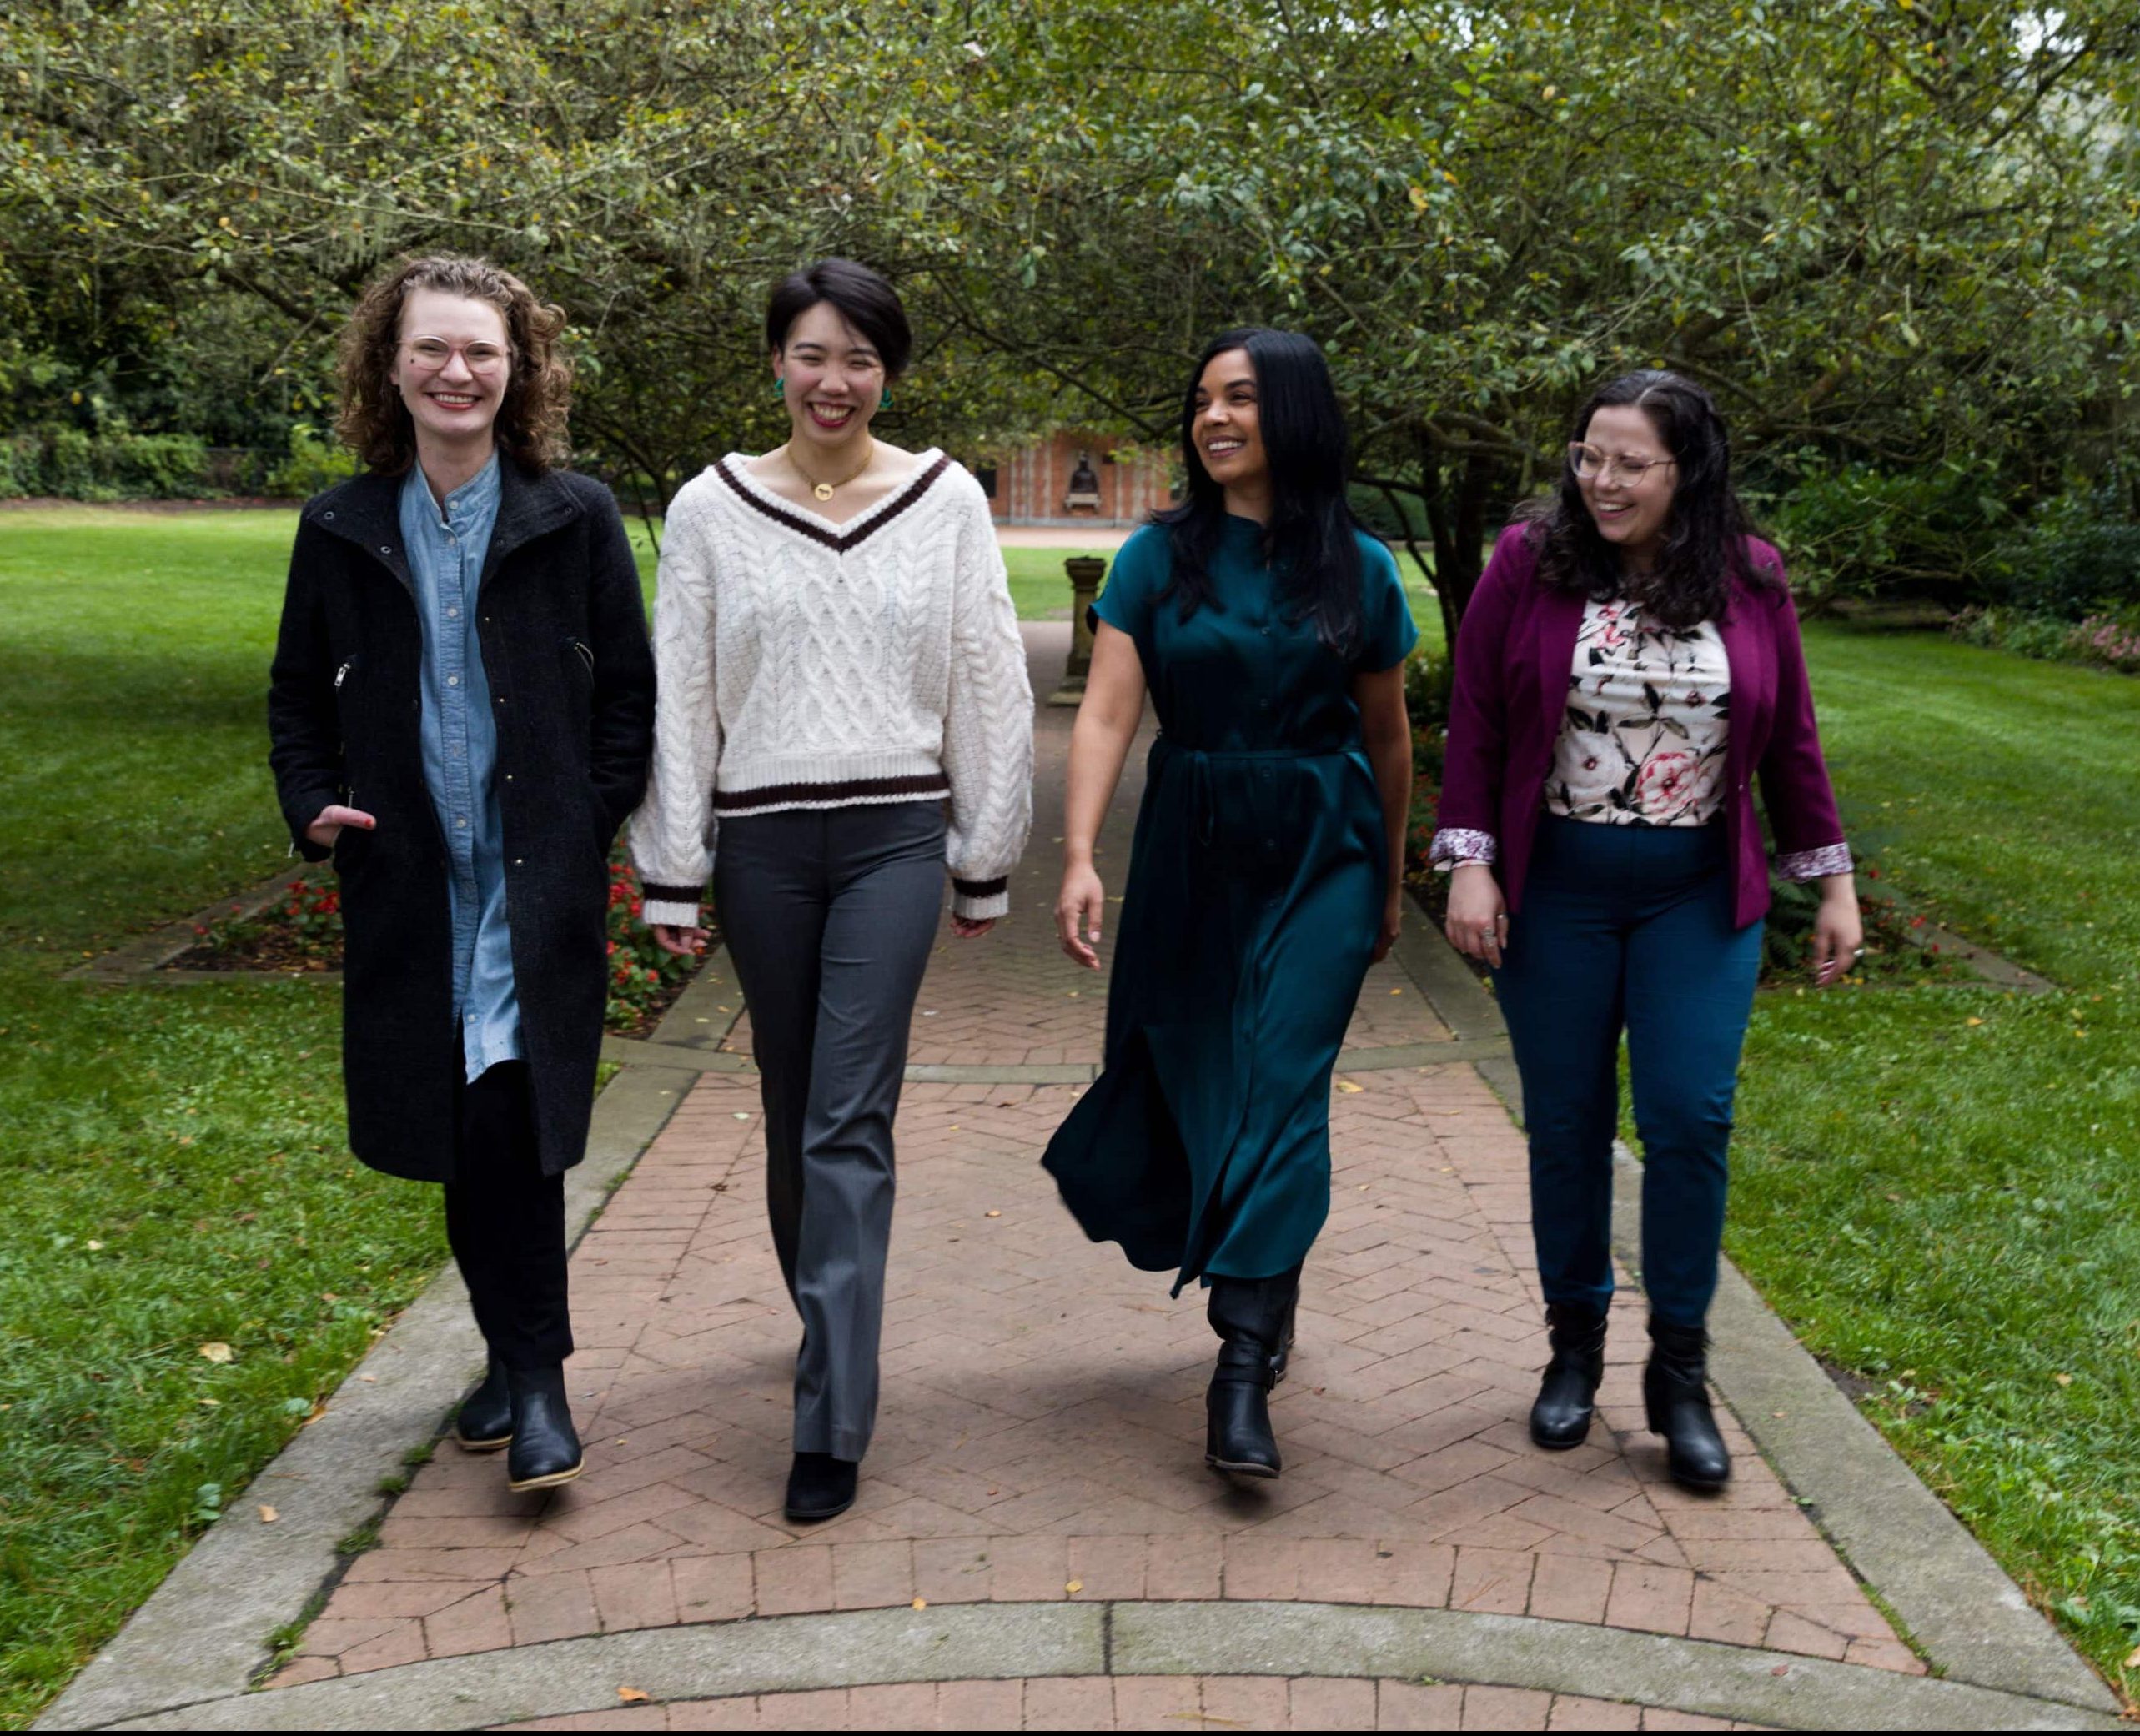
1567, 1395
484, 1423
1675, 1391
545, 1450
821, 1487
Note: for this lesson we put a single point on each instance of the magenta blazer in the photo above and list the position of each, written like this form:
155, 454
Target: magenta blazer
1515, 654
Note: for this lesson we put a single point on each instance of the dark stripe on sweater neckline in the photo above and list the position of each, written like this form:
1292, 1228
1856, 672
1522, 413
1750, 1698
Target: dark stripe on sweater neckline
838, 541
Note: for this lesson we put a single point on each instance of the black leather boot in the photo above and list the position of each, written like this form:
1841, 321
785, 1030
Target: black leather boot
485, 1422
821, 1487
545, 1449
1250, 1316
1675, 1390
1284, 1354
1567, 1396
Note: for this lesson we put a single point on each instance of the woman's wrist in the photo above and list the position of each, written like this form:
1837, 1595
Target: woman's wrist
1077, 854
1839, 889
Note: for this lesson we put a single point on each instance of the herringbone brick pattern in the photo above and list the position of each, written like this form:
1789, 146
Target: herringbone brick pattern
1041, 1435
1146, 1702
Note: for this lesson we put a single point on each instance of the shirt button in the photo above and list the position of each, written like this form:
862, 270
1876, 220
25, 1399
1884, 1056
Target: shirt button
461, 825
452, 614
386, 548
517, 861
453, 681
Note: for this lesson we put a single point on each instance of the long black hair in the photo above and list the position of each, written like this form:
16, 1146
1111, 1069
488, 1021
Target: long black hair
1705, 545
1310, 541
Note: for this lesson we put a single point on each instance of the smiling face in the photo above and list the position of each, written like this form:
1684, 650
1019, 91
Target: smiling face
834, 378
1227, 433
1630, 496
453, 366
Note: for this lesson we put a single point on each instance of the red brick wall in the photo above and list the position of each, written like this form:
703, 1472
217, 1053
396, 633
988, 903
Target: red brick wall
1031, 482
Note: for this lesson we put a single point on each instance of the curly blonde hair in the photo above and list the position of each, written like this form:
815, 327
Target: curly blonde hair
374, 420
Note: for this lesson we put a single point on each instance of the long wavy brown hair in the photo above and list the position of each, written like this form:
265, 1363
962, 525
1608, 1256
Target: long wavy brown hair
532, 418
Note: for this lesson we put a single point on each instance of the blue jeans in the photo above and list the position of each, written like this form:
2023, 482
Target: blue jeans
1629, 927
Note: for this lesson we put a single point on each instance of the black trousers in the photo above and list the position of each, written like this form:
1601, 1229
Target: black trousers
505, 1222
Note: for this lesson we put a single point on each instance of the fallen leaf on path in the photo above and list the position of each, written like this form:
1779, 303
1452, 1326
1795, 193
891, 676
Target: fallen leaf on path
1346, 1085
1782, 1670
218, 1352
2063, 1380
1075, 1586
920, 1603
632, 1696
995, 1214
268, 1516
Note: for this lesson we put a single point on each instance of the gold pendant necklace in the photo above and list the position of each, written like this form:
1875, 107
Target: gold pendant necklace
823, 490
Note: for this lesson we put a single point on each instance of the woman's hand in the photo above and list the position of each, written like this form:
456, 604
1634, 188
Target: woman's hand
328, 827
970, 928
683, 942
1478, 922
1838, 931
1393, 919
1078, 913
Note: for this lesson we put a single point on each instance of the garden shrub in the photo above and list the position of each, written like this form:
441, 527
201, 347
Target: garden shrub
2077, 555
2105, 641
312, 466
75, 464
1933, 533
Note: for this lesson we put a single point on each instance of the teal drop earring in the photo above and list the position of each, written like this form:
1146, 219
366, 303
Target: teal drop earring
884, 402
780, 387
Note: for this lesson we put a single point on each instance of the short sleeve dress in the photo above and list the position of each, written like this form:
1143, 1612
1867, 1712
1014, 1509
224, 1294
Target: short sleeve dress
1254, 897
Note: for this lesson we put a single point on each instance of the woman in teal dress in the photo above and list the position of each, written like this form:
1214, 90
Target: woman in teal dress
1266, 873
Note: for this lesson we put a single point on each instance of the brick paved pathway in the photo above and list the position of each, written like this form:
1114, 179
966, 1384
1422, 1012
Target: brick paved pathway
1041, 1435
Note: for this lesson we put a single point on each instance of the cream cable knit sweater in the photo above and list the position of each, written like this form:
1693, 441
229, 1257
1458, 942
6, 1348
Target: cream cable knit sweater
806, 665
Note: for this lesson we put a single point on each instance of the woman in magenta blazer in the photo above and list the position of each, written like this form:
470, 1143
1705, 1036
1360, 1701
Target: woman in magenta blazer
1628, 667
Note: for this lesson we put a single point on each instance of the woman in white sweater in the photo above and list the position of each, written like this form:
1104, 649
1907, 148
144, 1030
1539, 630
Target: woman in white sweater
843, 713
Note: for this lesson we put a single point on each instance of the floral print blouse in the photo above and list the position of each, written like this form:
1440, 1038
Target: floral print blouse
1643, 737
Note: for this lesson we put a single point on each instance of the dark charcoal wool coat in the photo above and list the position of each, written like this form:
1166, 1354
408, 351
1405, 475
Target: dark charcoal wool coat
565, 647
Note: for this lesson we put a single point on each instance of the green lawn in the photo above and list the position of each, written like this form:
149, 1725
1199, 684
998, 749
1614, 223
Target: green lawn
1940, 1188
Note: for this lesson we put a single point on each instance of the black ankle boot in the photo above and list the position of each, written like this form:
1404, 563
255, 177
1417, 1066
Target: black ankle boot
821, 1487
545, 1449
1250, 1316
1284, 1354
1675, 1389
485, 1422
1567, 1396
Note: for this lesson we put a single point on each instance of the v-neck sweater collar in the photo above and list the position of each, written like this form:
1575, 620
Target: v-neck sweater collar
735, 470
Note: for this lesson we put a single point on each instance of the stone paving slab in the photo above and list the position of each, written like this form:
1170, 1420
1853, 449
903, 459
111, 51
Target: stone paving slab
1147, 1703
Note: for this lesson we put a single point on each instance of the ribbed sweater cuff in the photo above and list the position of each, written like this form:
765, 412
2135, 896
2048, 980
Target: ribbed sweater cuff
980, 900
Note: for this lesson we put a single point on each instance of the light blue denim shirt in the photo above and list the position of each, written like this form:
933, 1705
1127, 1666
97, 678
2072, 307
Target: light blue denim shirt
460, 754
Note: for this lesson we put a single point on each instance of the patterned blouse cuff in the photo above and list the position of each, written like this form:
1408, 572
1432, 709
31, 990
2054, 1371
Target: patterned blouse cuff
1828, 859
1454, 847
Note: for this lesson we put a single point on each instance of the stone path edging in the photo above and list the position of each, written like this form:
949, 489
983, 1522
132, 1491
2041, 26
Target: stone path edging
993, 1641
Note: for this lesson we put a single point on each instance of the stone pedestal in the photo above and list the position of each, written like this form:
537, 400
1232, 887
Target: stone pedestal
1085, 571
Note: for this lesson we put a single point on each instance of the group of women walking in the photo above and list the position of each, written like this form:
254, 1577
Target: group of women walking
833, 717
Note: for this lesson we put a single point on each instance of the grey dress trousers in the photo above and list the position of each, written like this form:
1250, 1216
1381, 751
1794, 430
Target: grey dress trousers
829, 914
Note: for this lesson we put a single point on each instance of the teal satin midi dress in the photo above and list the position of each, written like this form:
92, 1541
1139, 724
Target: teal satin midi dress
1250, 914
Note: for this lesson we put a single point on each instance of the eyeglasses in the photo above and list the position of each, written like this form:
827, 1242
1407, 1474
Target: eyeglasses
428, 355
1593, 465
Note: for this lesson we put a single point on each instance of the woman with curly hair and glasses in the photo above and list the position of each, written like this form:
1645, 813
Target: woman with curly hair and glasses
462, 708
1628, 667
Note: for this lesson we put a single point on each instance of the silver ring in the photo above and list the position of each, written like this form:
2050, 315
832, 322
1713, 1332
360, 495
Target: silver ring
1857, 952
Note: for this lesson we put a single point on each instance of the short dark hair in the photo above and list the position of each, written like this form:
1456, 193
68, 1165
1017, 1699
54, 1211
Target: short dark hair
1706, 538
865, 300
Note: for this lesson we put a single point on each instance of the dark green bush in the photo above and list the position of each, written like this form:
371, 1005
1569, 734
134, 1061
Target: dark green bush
75, 464
2077, 555
1933, 533
314, 465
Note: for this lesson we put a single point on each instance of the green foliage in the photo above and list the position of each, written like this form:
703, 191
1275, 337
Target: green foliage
311, 467
2105, 641
2077, 554
1859, 531
72, 463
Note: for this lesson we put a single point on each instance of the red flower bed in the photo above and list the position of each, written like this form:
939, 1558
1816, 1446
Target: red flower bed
303, 932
